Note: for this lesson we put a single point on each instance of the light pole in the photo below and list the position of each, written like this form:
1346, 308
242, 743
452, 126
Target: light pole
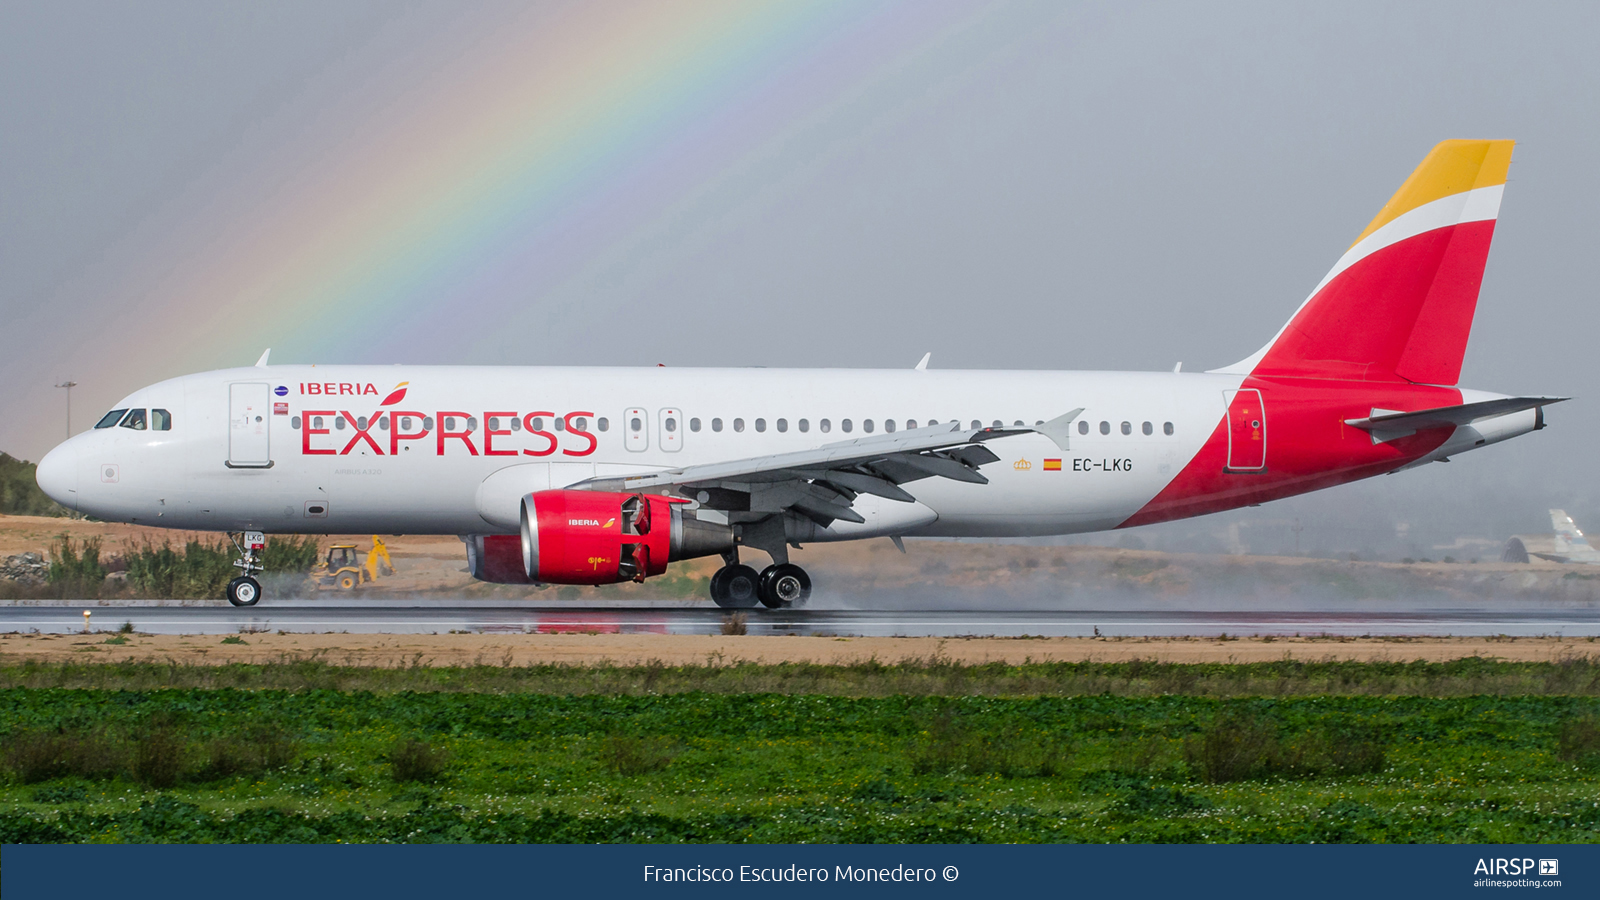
69, 384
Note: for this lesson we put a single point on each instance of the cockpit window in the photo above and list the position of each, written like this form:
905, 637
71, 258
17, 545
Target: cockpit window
160, 420
111, 418
135, 420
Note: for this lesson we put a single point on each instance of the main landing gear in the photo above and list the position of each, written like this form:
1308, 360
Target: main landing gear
782, 586
246, 590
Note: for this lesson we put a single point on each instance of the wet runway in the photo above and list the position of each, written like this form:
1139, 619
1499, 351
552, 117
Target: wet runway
442, 617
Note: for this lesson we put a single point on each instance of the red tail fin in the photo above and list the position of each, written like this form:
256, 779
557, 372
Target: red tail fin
1398, 306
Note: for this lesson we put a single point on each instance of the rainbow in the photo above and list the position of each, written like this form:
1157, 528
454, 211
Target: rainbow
564, 137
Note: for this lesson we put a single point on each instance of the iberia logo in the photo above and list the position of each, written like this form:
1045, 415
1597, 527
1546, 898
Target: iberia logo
609, 523
396, 395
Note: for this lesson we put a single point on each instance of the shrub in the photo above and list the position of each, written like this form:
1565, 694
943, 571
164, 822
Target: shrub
1241, 746
950, 747
75, 568
19, 491
35, 756
200, 570
628, 754
414, 760
1579, 741
735, 623
290, 553
159, 756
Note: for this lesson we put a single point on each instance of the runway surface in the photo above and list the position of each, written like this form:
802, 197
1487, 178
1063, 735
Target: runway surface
442, 617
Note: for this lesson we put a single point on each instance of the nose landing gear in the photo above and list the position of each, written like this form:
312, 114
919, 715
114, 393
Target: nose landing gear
245, 590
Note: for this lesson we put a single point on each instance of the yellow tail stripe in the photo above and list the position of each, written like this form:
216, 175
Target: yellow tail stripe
1451, 167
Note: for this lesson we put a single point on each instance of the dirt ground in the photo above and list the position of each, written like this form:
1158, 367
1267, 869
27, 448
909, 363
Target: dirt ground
677, 650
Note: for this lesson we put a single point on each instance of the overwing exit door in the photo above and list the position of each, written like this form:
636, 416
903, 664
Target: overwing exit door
1247, 431
249, 409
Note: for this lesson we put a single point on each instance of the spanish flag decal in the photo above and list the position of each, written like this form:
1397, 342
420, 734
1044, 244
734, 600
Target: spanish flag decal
1052, 465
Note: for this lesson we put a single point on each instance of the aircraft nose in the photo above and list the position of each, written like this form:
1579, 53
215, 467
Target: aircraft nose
57, 475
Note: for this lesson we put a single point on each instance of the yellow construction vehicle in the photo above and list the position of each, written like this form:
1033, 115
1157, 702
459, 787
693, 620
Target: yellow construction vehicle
344, 569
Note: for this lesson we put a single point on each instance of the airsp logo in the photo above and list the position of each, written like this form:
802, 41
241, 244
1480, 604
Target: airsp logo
1512, 866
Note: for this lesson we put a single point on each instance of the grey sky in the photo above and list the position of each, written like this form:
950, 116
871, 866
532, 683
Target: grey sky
1048, 185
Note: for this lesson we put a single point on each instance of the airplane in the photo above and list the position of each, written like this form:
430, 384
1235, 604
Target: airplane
1566, 545
570, 475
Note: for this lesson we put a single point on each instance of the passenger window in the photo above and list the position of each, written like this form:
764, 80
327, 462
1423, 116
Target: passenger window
516, 424
761, 424
635, 424
911, 424
603, 423
888, 425
361, 423
135, 420
716, 424
1017, 423
671, 424
738, 425
316, 421
844, 425
694, 424
295, 423
538, 423
581, 423
805, 426
997, 424
383, 423
976, 424
1167, 428
160, 420
449, 423
1105, 427
111, 418
427, 423
1127, 428
1083, 427
825, 426
866, 425
560, 424
783, 425
1147, 428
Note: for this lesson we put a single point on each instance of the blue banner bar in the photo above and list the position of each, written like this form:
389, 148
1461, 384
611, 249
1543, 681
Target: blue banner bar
393, 872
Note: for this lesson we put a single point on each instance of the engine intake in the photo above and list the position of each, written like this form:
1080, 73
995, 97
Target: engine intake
588, 537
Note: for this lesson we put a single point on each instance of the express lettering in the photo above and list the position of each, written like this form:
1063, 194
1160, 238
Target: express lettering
442, 428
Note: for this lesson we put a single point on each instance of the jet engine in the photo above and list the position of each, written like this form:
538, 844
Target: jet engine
589, 537
496, 558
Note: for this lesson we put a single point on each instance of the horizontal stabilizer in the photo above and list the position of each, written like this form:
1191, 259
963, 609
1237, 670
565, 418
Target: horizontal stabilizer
1397, 423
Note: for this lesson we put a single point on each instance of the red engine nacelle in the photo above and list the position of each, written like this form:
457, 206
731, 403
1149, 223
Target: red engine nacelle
587, 537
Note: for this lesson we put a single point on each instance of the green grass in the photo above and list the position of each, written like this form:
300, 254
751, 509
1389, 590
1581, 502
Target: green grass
937, 676
440, 765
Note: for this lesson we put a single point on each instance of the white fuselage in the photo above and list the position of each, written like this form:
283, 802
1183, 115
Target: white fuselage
181, 478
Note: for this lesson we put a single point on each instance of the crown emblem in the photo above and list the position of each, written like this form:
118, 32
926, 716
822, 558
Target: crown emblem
1022, 465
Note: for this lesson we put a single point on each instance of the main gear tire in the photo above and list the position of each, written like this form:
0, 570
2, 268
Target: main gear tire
785, 586
244, 591
736, 587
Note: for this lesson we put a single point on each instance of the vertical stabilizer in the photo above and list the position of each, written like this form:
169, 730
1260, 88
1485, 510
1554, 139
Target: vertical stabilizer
1398, 305
1568, 537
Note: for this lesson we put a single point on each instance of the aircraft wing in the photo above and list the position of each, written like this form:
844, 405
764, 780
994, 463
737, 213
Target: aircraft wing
1394, 423
823, 483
